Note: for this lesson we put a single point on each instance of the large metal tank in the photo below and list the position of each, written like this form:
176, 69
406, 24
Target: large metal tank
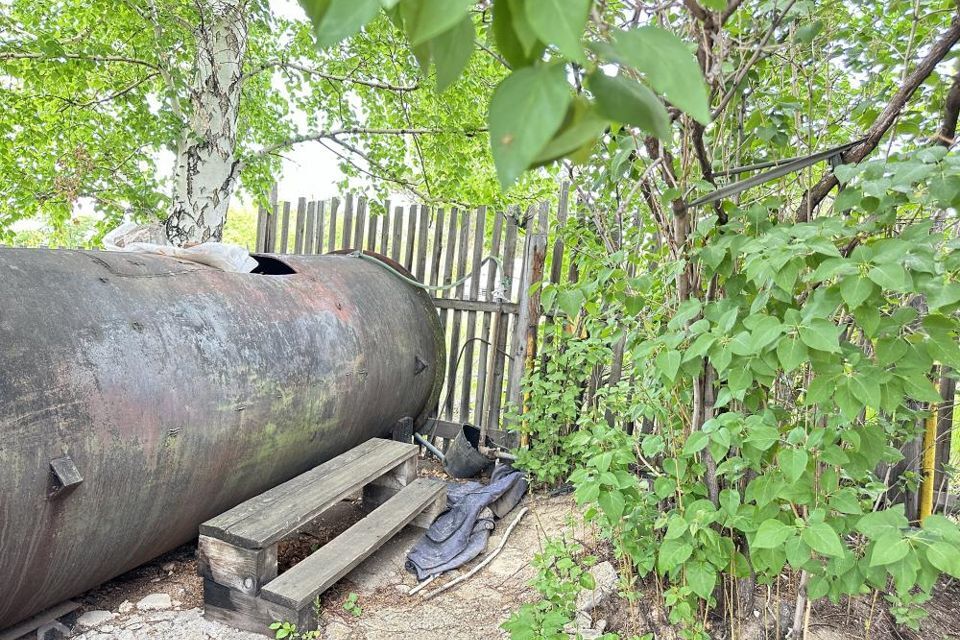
176, 391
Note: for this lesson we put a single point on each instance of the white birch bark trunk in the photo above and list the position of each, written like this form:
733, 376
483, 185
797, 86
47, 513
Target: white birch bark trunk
206, 162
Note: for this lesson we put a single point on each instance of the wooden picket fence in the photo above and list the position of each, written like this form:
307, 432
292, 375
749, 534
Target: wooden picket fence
490, 320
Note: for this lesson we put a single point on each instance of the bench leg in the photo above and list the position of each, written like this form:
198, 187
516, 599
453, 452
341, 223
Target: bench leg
243, 570
384, 487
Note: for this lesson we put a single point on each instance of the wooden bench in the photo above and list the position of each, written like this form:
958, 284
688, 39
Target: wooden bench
237, 553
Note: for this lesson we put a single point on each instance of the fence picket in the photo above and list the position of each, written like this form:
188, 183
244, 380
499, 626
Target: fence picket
332, 240
285, 227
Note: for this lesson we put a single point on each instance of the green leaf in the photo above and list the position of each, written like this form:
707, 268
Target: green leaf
823, 539
451, 51
945, 557
587, 581
793, 462
821, 335
668, 363
612, 503
771, 534
560, 23
623, 100
890, 276
791, 352
527, 107
888, 549
515, 39
570, 302
855, 290
762, 437
668, 65
943, 527
877, 524
696, 442
673, 553
335, 20
426, 19
579, 132
702, 578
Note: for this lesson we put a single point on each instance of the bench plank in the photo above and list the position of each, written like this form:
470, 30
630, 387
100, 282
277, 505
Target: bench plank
298, 586
265, 519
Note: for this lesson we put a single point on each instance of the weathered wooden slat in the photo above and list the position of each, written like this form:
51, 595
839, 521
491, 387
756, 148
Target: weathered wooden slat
285, 227
262, 217
321, 226
332, 240
371, 228
453, 371
245, 570
420, 272
450, 250
397, 234
298, 586
473, 293
270, 241
437, 249
409, 239
347, 223
299, 229
486, 298
250, 613
360, 224
308, 232
385, 230
494, 395
476, 305
267, 518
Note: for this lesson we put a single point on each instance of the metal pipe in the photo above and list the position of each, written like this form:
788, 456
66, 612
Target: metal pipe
141, 395
429, 447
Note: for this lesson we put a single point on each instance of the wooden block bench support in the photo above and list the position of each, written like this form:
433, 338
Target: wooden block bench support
302, 583
237, 551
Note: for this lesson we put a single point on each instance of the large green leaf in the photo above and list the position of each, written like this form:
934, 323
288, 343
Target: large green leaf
515, 39
560, 23
527, 107
623, 100
793, 462
855, 290
701, 577
945, 557
668, 65
888, 549
771, 534
576, 137
451, 51
426, 19
791, 352
821, 335
823, 539
334, 20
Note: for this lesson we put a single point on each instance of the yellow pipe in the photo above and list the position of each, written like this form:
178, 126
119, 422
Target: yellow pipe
929, 463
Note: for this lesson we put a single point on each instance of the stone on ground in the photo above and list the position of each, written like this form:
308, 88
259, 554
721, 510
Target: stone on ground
93, 619
155, 602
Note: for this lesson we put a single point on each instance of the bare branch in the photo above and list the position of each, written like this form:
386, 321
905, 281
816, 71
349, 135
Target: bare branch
334, 133
376, 84
22, 55
816, 194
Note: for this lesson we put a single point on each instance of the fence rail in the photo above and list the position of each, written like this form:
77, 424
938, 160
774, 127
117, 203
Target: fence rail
489, 319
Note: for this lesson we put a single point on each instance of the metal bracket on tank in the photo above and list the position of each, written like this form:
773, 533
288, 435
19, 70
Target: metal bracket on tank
419, 366
64, 477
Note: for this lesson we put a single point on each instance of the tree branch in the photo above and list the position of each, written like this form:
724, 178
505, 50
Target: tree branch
816, 194
22, 55
951, 110
334, 133
326, 76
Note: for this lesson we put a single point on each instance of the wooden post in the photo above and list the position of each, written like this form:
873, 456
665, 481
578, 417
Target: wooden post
284, 228
308, 246
500, 328
299, 230
525, 339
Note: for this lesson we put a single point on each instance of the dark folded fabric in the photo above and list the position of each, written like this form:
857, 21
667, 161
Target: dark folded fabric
460, 533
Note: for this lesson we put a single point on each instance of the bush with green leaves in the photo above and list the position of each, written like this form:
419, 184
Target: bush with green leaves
777, 396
